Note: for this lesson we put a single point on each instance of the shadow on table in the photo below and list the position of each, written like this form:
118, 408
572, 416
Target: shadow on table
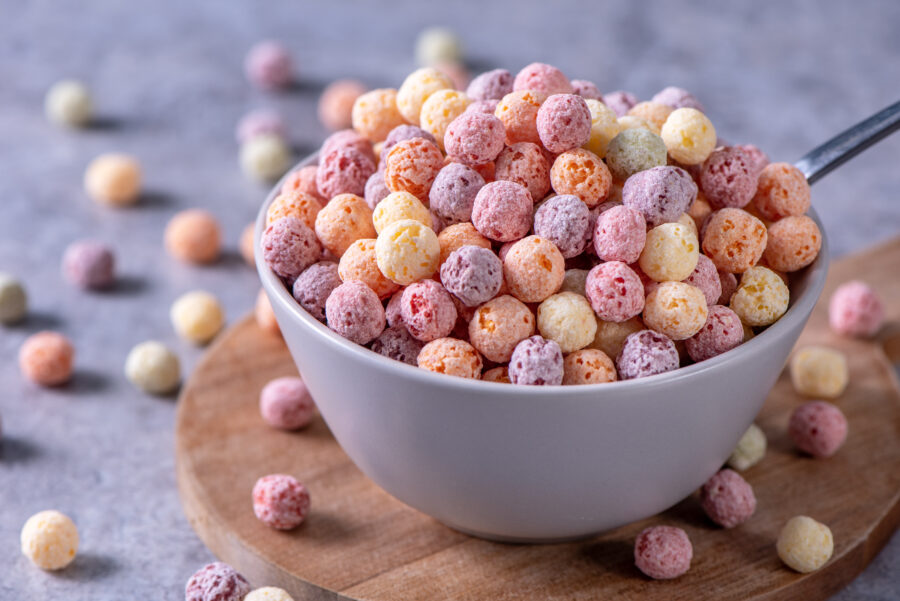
17, 450
89, 566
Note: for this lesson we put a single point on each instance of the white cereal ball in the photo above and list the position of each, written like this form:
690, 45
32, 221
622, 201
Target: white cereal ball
265, 157
69, 103
153, 368
437, 45
268, 593
13, 300
804, 544
50, 540
689, 136
197, 316
670, 253
567, 319
819, 371
113, 179
750, 449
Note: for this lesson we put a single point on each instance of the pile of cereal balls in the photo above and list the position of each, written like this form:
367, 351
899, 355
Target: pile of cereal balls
533, 231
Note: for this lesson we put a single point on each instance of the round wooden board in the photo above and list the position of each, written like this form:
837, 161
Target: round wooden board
360, 543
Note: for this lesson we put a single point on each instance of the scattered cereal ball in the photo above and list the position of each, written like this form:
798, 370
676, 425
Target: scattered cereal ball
620, 102
345, 219
197, 316
269, 66
194, 236
818, 428
411, 166
689, 136
452, 357
50, 540
216, 581
407, 251
348, 138
663, 552
89, 264
376, 189
294, 203
567, 319
265, 157
782, 191
524, 163
258, 123
289, 247
563, 122
792, 243
536, 362
303, 180
750, 449
375, 114
615, 291
500, 375
246, 245
285, 403
634, 150
280, 501
268, 593
611, 335
397, 206
727, 499
358, 263
153, 368
586, 89
312, 287
761, 298
566, 222
472, 274
474, 138
113, 179
670, 253
734, 239
574, 280
542, 78
458, 235
436, 45
427, 310
619, 234
499, 325
69, 103
13, 300
728, 178
856, 310
804, 544
518, 111
588, 366
398, 344
675, 309
661, 194
491, 85
439, 111
354, 311
336, 103
502, 211
46, 358
533, 269
677, 98
646, 353
344, 170
722, 332
453, 192
417, 87
264, 315
583, 174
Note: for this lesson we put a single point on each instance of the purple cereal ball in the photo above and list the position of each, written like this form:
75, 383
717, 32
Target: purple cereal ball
472, 274
729, 284
344, 170
565, 221
727, 499
758, 159
646, 353
427, 310
402, 133
354, 311
706, 278
89, 264
818, 428
615, 291
398, 344
620, 102
542, 77
289, 246
257, 123
453, 192
392, 311
728, 178
491, 85
564, 122
216, 581
483, 106
285, 403
474, 138
586, 89
502, 211
536, 361
312, 287
620, 233
677, 98
269, 66
524, 163
376, 190
347, 138
722, 332
662, 194
663, 552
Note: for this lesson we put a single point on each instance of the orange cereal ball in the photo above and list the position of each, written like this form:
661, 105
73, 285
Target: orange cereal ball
781, 191
793, 243
375, 114
761, 297
46, 358
689, 136
675, 309
567, 319
499, 325
699, 209
397, 206
604, 127
194, 236
265, 317
518, 113
533, 269
670, 253
439, 111
407, 251
294, 203
654, 113
583, 174
246, 244
734, 239
411, 166
588, 366
358, 263
417, 87
452, 357
303, 179
336, 103
500, 375
611, 335
113, 179
458, 235
342, 221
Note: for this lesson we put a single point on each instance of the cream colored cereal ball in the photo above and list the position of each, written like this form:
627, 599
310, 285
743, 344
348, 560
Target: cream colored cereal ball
69, 103
197, 316
417, 87
375, 114
265, 157
567, 319
761, 297
438, 45
750, 449
804, 544
439, 111
113, 179
675, 309
268, 593
153, 368
689, 136
50, 540
670, 253
604, 127
397, 206
407, 251
819, 371
13, 300
611, 335
588, 366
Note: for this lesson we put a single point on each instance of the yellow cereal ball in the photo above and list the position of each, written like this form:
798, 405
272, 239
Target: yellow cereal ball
50, 540
533, 269
265, 157
358, 263
294, 203
611, 335
458, 235
604, 127
265, 317
113, 179
268, 593
588, 366
194, 236
153, 368
437, 45
197, 316
675, 309
582, 173
574, 281
69, 103
417, 87
407, 251
688, 222
689, 136
499, 375
761, 297
375, 114
499, 325
670, 253
518, 112
635, 122
439, 110
654, 113
804, 544
567, 319
397, 206
452, 357
345, 219
750, 449
819, 371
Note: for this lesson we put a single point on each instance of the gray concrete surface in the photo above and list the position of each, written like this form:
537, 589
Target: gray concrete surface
169, 88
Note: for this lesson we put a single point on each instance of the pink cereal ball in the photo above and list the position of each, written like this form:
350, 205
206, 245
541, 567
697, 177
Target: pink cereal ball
524, 163
706, 278
289, 246
89, 264
722, 332
856, 310
398, 344
472, 274
344, 170
285, 403
269, 66
336, 103
392, 312
620, 102
483, 106
566, 222
727, 499
411, 166
348, 138
615, 291
427, 310
620, 233
280, 501
491, 85
818, 428
533, 269
536, 361
586, 89
728, 178
758, 159
662, 194
46, 358
355, 312
402, 133
729, 284
677, 98
564, 122
663, 552
376, 190
314, 285
304, 180
260, 122
216, 581
474, 138
502, 211
453, 193
542, 78
646, 353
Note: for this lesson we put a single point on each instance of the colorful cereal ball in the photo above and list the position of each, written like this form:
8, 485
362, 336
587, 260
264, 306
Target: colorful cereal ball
663, 552
285, 403
472, 274
257, 123
566, 222
407, 251
502, 211
452, 357
417, 87
89, 264
677, 98
216, 581
706, 278
474, 138
758, 159
654, 113
634, 150
269, 66
69, 103
804, 544
46, 358
294, 203
727, 499
453, 192
153, 368
312, 287
670, 253
611, 335
635, 122
533, 269
567, 319
376, 189
427, 310
355, 312
518, 112
336, 103
343, 170
265, 157
280, 501
491, 85
525, 164
13, 300
750, 449
588, 366
856, 310
358, 263
499, 325
347, 138
197, 316
536, 362
289, 247
675, 309
113, 179
722, 332
375, 114
304, 180
194, 236
689, 136
50, 540
397, 206
819, 371
439, 111
583, 174
792, 243
411, 166
398, 344
619, 234
437, 44
782, 191
620, 101
604, 127
646, 353
342, 221
761, 298
728, 178
401, 133
458, 235
661, 194
734, 239
586, 89
563, 122
543, 78
615, 291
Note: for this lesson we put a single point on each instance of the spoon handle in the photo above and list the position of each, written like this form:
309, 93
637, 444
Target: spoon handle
835, 152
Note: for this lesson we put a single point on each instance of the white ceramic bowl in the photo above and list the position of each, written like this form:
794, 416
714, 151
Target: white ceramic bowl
536, 464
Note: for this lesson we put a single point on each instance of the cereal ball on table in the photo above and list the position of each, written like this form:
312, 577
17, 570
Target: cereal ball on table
194, 236
474, 138
675, 309
502, 211
312, 287
50, 540
285, 403
268, 593
344, 170
566, 222
472, 274
289, 247
264, 315
345, 219
728, 178
13, 300
586, 89
689, 136
355, 312
89, 264
620, 101
269, 66
567, 319
216, 581
646, 353
619, 234
671, 253
439, 110
113, 179
536, 361
792, 243
734, 239
260, 122
663, 552
518, 112
782, 191
750, 449
543, 78
634, 150
336, 103
533, 269
583, 174
69, 103
359, 263
197, 316
524, 163
427, 310
588, 366
855, 309
491, 85
661, 194
805, 545
452, 357
615, 291
294, 203
375, 114
280, 501
458, 235
46, 358
727, 499
411, 166
398, 344
407, 251
677, 98
654, 113
437, 44
304, 180
611, 335
453, 192
563, 122
818, 428
818, 371
761, 298
722, 332
499, 325
417, 87
265, 157
153, 368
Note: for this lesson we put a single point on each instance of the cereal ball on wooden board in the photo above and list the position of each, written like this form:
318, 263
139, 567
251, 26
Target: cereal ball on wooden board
819, 371
818, 428
216, 581
804, 544
663, 552
727, 499
855, 309
750, 449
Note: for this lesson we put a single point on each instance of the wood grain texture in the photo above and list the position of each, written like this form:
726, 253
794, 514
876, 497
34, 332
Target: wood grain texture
360, 543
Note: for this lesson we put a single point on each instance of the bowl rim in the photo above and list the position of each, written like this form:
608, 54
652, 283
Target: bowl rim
798, 310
